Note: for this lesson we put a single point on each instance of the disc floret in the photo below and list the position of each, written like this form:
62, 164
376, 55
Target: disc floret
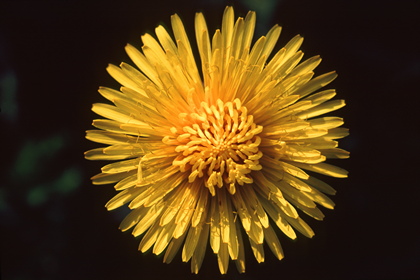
218, 142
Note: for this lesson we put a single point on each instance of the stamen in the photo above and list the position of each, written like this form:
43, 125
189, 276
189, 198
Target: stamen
219, 144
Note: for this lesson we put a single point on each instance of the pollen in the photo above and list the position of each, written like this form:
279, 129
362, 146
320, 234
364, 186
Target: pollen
218, 143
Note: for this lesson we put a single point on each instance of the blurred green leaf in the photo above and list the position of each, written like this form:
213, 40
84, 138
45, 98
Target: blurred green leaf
37, 195
68, 181
33, 155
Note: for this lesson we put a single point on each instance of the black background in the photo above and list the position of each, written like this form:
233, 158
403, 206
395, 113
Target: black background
53, 56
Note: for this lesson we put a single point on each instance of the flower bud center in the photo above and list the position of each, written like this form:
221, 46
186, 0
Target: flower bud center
218, 143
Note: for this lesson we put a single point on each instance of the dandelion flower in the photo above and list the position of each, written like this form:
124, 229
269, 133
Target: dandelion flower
216, 152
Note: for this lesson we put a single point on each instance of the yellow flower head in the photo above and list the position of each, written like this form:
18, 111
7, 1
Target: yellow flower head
216, 154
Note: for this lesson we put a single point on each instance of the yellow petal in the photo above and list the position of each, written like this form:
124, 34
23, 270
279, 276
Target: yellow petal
163, 239
150, 237
321, 186
324, 168
198, 256
223, 258
133, 218
108, 178
148, 219
143, 64
173, 248
317, 83
122, 198
127, 182
301, 226
258, 250
273, 242
113, 113
322, 109
279, 219
335, 153
326, 122
121, 166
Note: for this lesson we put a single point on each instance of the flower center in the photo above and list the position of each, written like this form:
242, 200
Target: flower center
217, 143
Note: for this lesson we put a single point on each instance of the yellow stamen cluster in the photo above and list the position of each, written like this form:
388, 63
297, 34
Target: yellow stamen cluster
219, 143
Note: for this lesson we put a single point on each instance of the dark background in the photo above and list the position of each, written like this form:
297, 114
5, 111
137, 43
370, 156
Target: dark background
53, 56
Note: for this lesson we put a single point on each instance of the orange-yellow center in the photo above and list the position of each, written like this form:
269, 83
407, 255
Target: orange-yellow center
218, 143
